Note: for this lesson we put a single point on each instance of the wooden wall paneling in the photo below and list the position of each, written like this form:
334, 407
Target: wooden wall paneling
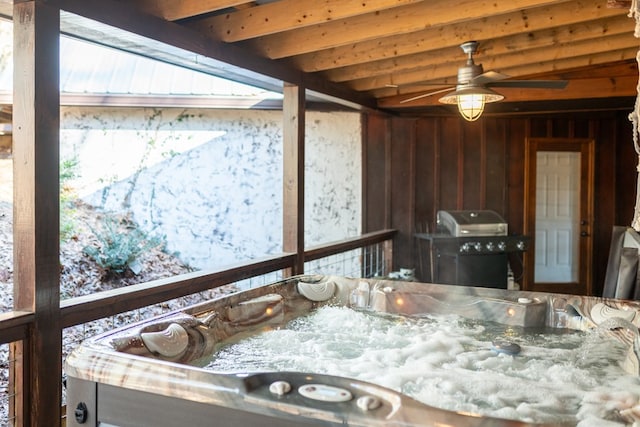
605, 135
516, 135
427, 171
540, 127
449, 182
625, 181
388, 183
582, 128
516, 132
376, 173
472, 152
495, 166
561, 128
626, 172
403, 180
449, 163
36, 128
587, 247
615, 182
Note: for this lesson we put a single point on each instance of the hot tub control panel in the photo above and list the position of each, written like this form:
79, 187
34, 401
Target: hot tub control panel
311, 392
325, 393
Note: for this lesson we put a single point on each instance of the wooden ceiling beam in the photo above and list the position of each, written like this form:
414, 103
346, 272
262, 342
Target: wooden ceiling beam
510, 24
559, 65
552, 37
627, 67
507, 63
172, 10
284, 15
576, 89
390, 98
400, 20
553, 69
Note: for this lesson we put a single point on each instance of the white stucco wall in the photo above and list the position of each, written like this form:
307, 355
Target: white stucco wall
210, 181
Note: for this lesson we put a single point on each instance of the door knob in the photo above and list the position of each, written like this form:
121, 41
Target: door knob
584, 234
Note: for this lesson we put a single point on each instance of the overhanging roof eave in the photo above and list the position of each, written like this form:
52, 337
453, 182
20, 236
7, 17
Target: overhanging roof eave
181, 46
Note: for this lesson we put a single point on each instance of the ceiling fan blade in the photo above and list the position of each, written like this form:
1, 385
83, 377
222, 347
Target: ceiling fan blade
488, 77
428, 83
424, 95
532, 84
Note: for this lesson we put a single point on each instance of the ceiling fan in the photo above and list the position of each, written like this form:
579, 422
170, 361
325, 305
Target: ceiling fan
472, 90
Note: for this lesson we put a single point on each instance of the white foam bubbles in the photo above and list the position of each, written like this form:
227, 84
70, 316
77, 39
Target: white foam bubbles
447, 362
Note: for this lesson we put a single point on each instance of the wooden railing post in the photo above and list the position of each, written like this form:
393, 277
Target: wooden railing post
36, 216
293, 174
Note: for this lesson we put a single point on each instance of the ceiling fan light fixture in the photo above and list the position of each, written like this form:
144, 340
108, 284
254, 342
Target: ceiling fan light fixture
471, 106
471, 100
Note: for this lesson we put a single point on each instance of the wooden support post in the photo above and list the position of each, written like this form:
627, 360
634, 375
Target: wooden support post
36, 210
293, 173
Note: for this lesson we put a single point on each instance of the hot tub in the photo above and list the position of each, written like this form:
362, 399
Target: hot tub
165, 372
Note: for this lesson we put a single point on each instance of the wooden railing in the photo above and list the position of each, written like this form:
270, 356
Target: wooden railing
108, 303
14, 325
326, 250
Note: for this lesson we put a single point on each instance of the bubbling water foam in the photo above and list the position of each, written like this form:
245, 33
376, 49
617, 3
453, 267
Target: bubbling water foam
447, 362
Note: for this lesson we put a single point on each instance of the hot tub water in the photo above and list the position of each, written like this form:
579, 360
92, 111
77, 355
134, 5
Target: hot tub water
448, 362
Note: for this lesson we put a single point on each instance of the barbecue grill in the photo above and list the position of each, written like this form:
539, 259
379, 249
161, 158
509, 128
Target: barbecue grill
471, 248
471, 223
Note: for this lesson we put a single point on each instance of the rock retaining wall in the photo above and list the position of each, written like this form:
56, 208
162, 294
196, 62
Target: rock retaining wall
210, 181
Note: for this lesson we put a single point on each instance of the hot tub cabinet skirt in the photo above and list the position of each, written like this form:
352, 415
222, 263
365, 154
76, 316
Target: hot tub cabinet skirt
123, 408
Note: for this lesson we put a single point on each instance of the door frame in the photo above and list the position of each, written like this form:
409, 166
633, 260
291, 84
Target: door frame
586, 148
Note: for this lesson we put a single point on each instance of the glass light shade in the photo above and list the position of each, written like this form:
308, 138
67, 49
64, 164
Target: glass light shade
471, 106
471, 100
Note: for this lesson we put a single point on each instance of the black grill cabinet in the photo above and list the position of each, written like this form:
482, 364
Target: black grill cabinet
470, 248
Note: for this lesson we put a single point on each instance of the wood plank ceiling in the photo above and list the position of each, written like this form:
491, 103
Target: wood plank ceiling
386, 51
392, 50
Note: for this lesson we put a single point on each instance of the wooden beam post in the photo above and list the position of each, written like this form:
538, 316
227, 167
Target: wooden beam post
293, 173
36, 209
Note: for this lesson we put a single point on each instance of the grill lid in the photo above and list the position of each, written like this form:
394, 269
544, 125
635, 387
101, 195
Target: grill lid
471, 223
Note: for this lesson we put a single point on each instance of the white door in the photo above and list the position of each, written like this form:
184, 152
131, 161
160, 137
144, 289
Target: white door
559, 182
557, 216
